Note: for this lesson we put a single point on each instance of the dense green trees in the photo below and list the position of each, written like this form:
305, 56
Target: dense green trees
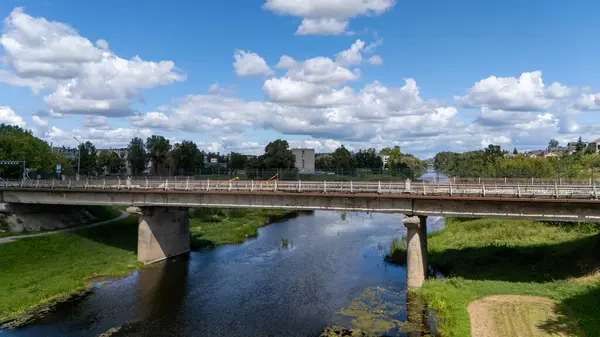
186, 157
342, 159
158, 147
491, 163
110, 162
137, 156
88, 160
237, 161
278, 155
368, 159
19, 144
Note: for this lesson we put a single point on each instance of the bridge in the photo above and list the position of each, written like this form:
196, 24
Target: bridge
164, 222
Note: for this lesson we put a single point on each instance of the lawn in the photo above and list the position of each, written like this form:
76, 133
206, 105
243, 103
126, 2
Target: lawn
507, 257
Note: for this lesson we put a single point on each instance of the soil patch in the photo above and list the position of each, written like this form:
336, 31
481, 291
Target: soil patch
519, 316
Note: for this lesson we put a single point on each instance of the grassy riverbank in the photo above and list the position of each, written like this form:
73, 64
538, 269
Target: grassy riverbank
36, 272
503, 257
213, 227
40, 270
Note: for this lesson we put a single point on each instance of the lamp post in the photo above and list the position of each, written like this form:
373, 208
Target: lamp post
78, 157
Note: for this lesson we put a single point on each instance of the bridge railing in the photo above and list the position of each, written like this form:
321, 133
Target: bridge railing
333, 187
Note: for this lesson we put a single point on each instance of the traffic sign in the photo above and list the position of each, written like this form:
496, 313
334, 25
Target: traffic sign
58, 168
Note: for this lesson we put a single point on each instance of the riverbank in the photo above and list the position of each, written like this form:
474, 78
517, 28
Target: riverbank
508, 257
39, 272
213, 227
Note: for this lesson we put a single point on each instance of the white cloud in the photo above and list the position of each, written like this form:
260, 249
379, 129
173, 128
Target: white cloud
299, 93
526, 93
588, 102
375, 60
86, 78
98, 136
320, 70
248, 64
286, 62
8, 116
327, 17
217, 89
351, 56
98, 122
322, 26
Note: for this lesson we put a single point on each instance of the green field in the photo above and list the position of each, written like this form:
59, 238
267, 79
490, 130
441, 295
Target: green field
505, 257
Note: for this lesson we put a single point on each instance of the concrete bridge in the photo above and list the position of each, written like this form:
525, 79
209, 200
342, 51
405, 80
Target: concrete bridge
164, 223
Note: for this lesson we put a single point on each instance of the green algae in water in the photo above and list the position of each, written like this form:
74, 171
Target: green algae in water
380, 312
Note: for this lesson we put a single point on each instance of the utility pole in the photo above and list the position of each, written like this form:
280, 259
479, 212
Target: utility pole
78, 157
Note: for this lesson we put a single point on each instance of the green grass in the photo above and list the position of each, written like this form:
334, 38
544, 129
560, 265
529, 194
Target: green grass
213, 227
43, 269
497, 257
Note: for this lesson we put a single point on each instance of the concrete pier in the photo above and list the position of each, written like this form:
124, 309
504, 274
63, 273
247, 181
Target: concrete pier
163, 232
416, 251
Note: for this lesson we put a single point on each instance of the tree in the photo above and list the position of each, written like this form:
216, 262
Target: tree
186, 157
395, 157
110, 162
324, 163
515, 151
368, 159
19, 144
87, 159
342, 159
278, 155
492, 152
553, 143
137, 156
580, 146
158, 147
237, 161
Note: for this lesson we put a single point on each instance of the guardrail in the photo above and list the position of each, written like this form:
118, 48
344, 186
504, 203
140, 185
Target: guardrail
334, 187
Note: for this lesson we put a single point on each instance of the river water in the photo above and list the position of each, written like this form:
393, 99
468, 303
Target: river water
333, 272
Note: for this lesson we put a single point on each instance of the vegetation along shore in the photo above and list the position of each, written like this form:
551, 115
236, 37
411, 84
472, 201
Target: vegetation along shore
553, 268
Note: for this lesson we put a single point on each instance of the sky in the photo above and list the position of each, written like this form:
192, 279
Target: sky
232, 75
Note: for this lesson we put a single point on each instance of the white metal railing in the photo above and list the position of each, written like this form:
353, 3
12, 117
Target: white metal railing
331, 187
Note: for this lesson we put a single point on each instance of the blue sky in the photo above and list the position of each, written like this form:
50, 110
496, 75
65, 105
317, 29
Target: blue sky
60, 82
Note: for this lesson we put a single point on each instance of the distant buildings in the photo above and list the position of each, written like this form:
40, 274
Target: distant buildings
305, 160
69, 152
384, 159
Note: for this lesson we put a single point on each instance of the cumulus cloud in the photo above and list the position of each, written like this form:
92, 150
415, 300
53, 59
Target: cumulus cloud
98, 122
327, 17
8, 116
526, 93
375, 60
248, 64
101, 137
84, 78
320, 70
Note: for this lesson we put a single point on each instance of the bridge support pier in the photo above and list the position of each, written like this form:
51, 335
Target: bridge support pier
416, 259
163, 232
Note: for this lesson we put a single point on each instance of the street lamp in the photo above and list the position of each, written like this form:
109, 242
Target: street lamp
78, 156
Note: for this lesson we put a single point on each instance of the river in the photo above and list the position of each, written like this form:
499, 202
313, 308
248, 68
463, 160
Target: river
258, 288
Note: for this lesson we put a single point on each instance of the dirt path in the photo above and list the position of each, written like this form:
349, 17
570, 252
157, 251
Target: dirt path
123, 215
519, 316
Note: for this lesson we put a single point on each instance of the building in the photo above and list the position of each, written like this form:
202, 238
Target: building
384, 159
594, 145
558, 150
305, 160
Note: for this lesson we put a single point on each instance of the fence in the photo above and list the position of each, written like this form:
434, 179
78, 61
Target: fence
343, 187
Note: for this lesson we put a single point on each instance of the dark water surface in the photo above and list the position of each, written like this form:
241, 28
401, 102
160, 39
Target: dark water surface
253, 289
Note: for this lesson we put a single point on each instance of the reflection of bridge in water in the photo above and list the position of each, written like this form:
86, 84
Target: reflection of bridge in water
164, 223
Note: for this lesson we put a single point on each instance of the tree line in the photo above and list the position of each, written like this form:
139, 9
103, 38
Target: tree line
493, 162
156, 155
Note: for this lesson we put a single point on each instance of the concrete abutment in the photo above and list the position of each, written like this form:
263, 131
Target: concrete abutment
163, 232
416, 259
